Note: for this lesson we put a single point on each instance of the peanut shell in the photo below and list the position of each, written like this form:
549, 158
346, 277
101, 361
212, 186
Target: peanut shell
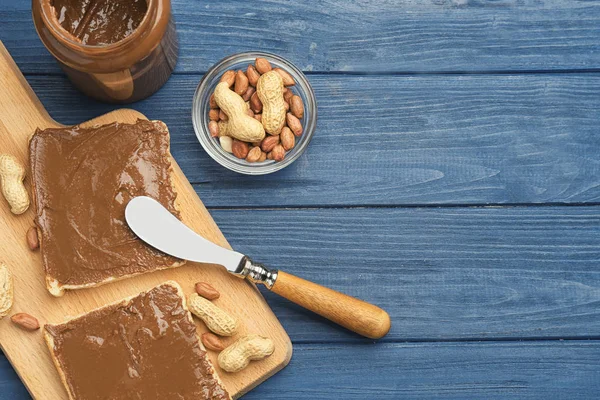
270, 92
6, 290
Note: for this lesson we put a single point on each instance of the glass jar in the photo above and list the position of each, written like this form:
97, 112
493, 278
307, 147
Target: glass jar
201, 107
125, 71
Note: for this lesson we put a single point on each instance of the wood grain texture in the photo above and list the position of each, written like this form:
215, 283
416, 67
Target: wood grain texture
452, 274
467, 370
365, 36
441, 274
386, 140
356, 315
20, 115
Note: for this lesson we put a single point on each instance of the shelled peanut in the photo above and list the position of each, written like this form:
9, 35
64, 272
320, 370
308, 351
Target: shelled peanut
255, 113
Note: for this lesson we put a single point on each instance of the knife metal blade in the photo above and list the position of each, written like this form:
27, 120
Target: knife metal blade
155, 225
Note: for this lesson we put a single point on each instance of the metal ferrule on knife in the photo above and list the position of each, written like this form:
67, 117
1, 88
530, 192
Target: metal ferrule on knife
257, 273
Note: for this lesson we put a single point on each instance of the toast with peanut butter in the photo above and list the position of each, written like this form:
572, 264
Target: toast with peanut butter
82, 180
143, 347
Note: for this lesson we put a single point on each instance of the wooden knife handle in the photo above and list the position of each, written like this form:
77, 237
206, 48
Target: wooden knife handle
351, 313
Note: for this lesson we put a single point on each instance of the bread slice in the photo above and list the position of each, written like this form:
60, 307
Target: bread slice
57, 335
82, 180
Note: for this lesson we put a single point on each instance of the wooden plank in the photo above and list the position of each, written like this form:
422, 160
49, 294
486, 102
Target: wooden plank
447, 370
385, 140
442, 274
20, 114
337, 35
486, 370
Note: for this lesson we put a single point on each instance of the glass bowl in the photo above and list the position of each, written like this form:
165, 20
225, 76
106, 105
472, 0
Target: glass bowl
200, 108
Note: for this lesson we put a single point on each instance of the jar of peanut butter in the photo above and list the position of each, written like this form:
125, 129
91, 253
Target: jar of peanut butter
118, 51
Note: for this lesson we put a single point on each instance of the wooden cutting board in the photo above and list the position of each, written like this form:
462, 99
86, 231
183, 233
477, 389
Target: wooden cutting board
20, 114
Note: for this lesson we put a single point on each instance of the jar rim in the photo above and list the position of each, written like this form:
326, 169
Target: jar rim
100, 58
47, 14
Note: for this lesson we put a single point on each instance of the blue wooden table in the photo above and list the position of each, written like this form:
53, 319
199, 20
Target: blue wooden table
454, 180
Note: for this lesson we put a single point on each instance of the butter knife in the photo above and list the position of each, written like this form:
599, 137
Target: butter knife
155, 225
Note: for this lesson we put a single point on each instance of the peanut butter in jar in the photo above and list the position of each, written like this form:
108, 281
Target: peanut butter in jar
117, 51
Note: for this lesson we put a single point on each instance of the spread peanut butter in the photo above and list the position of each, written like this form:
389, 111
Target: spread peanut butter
99, 22
144, 348
83, 179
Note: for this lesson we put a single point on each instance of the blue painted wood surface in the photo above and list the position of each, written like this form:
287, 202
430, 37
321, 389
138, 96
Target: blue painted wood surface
391, 371
390, 140
367, 35
429, 112
441, 273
